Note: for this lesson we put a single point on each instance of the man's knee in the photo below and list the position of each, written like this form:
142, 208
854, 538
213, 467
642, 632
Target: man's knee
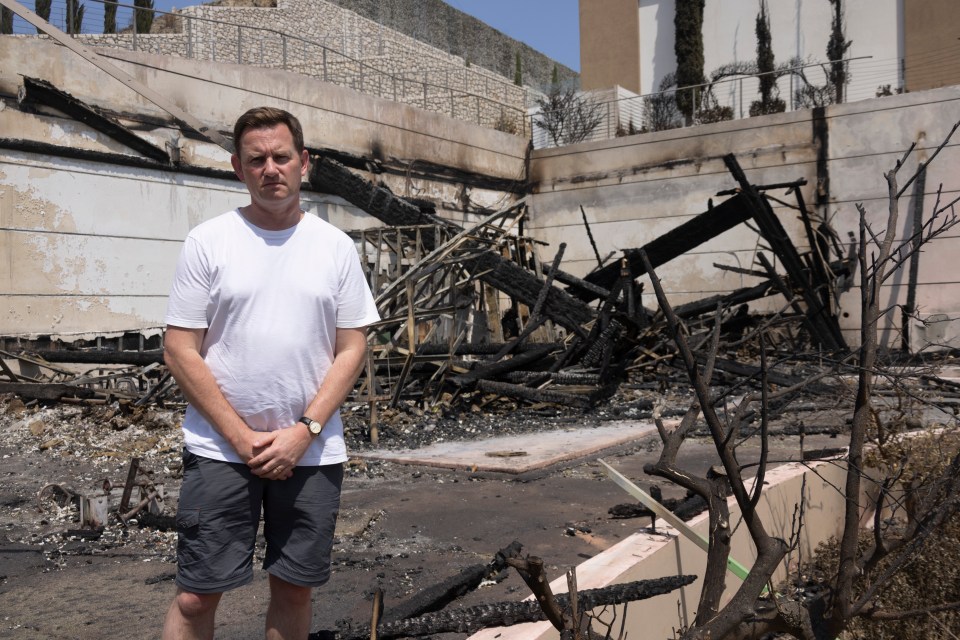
196, 605
289, 594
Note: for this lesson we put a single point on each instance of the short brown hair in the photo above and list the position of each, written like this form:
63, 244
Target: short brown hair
260, 117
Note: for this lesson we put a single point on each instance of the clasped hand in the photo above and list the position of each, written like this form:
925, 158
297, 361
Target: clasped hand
274, 454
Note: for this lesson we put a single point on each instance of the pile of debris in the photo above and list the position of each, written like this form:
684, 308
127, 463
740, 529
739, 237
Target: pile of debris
474, 315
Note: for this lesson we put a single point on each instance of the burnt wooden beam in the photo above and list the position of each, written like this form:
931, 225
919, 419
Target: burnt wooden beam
332, 177
45, 391
517, 282
500, 273
565, 398
36, 91
826, 328
578, 287
141, 358
691, 234
492, 370
740, 296
501, 614
440, 595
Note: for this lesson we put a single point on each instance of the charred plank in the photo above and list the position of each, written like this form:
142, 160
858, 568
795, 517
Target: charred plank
440, 595
691, 234
45, 391
471, 619
36, 91
564, 398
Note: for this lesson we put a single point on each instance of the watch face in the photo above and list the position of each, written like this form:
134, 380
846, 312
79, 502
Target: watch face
315, 427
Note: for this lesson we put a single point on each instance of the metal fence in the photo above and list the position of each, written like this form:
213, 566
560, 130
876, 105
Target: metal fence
600, 115
370, 64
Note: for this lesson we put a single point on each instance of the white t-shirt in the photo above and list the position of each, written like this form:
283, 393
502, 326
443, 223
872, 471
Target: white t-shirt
271, 302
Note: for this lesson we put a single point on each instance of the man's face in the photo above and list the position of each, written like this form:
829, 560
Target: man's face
268, 163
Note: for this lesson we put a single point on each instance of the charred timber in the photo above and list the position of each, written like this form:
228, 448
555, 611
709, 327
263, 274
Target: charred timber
440, 595
36, 91
740, 296
825, 328
559, 377
501, 614
521, 392
480, 349
496, 369
334, 178
44, 391
515, 281
500, 273
691, 234
140, 358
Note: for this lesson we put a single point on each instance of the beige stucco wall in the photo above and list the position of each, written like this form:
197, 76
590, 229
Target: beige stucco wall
634, 189
931, 40
89, 247
644, 556
609, 44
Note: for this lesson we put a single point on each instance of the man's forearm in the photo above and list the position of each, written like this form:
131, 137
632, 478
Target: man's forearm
200, 388
342, 375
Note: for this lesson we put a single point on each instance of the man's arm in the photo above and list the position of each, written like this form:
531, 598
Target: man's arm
285, 447
181, 354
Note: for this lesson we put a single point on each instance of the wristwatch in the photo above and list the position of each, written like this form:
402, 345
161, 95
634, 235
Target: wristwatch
314, 426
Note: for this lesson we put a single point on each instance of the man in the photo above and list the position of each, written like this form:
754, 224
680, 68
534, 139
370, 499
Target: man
266, 335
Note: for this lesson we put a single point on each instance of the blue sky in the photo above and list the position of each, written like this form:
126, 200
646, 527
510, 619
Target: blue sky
549, 26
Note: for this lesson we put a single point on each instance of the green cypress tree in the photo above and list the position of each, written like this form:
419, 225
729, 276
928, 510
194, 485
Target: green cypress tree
109, 18
6, 21
769, 101
836, 50
688, 47
765, 58
42, 9
518, 72
74, 17
143, 16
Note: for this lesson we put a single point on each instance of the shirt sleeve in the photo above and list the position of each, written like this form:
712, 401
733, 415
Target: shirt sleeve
190, 293
356, 307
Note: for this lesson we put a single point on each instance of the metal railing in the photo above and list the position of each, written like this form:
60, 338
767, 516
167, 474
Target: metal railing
593, 116
417, 78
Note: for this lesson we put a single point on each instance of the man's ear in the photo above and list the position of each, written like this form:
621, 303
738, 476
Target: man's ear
237, 169
304, 162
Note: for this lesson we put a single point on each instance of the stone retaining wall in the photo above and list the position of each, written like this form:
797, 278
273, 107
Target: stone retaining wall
324, 40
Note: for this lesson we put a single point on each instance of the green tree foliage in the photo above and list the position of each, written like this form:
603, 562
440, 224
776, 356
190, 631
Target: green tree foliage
109, 18
74, 17
518, 72
143, 15
770, 101
42, 9
688, 47
836, 50
6, 21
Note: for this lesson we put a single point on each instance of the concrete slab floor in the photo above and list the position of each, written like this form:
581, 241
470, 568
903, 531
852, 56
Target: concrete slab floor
520, 453
402, 528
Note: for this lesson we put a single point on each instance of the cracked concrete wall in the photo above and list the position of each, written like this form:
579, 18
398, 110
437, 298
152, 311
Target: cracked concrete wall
635, 188
88, 247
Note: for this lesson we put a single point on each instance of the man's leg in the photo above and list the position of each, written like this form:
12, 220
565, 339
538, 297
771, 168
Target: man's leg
191, 616
289, 613
300, 516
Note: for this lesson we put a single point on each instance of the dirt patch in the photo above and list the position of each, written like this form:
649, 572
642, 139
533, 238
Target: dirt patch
402, 528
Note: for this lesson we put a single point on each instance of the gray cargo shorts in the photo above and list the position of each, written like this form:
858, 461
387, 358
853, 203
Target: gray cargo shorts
219, 514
